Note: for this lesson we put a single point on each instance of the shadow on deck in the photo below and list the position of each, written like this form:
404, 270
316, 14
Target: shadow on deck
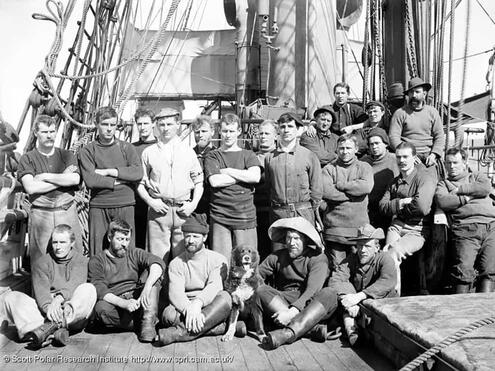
121, 351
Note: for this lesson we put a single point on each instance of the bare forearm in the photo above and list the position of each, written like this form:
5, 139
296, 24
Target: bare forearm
156, 272
221, 180
62, 180
197, 193
251, 175
115, 300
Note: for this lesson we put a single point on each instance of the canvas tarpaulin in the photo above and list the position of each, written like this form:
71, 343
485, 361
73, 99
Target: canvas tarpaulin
187, 64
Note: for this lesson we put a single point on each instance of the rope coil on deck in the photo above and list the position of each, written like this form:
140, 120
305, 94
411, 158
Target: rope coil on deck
422, 358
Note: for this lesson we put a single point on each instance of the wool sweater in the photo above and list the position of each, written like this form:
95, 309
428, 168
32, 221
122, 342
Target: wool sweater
377, 279
420, 186
450, 197
119, 155
196, 276
52, 276
422, 127
306, 274
324, 146
118, 275
385, 169
345, 190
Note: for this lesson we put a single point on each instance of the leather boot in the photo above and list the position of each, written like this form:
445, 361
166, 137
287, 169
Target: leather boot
462, 288
39, 336
220, 329
299, 326
277, 304
485, 285
318, 333
149, 319
217, 311
351, 329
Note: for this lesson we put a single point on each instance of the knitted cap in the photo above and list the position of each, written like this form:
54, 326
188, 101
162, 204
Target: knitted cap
378, 132
196, 223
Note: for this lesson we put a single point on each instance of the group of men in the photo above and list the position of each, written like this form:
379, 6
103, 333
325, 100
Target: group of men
324, 201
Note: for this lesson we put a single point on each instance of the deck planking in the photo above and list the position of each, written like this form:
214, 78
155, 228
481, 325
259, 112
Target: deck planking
122, 351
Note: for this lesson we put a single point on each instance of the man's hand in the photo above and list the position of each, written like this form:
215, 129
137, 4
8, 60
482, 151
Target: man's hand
55, 312
353, 311
431, 159
311, 130
158, 205
283, 317
186, 209
404, 201
195, 319
349, 300
145, 297
132, 305
347, 130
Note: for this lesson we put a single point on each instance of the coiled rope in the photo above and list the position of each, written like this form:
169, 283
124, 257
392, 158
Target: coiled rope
446, 342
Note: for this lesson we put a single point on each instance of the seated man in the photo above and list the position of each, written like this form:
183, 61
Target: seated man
407, 201
116, 273
465, 196
197, 300
63, 299
297, 273
370, 273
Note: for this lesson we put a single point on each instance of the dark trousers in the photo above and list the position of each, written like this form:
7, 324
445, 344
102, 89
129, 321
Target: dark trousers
112, 316
140, 222
336, 252
474, 250
100, 218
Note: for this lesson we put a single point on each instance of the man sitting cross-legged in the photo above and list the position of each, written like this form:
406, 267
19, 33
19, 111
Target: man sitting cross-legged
62, 298
198, 305
297, 272
117, 273
369, 273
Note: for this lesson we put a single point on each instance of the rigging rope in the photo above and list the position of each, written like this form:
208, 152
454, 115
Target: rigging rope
449, 86
418, 361
365, 52
410, 42
157, 40
458, 130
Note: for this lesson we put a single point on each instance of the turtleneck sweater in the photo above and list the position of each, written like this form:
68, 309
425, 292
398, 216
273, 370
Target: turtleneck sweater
118, 155
345, 189
478, 209
196, 276
52, 276
385, 169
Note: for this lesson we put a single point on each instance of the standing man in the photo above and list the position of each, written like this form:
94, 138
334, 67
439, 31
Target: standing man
110, 168
198, 302
407, 201
50, 176
232, 173
124, 301
324, 142
145, 123
419, 124
203, 133
62, 298
465, 196
376, 119
350, 116
384, 166
346, 185
294, 175
267, 136
172, 174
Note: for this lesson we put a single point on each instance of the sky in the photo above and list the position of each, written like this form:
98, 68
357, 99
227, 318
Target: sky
25, 43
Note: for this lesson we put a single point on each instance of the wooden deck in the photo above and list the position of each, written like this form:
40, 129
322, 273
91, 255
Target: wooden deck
122, 351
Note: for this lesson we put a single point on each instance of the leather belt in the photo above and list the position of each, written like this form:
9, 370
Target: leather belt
57, 208
174, 203
292, 206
